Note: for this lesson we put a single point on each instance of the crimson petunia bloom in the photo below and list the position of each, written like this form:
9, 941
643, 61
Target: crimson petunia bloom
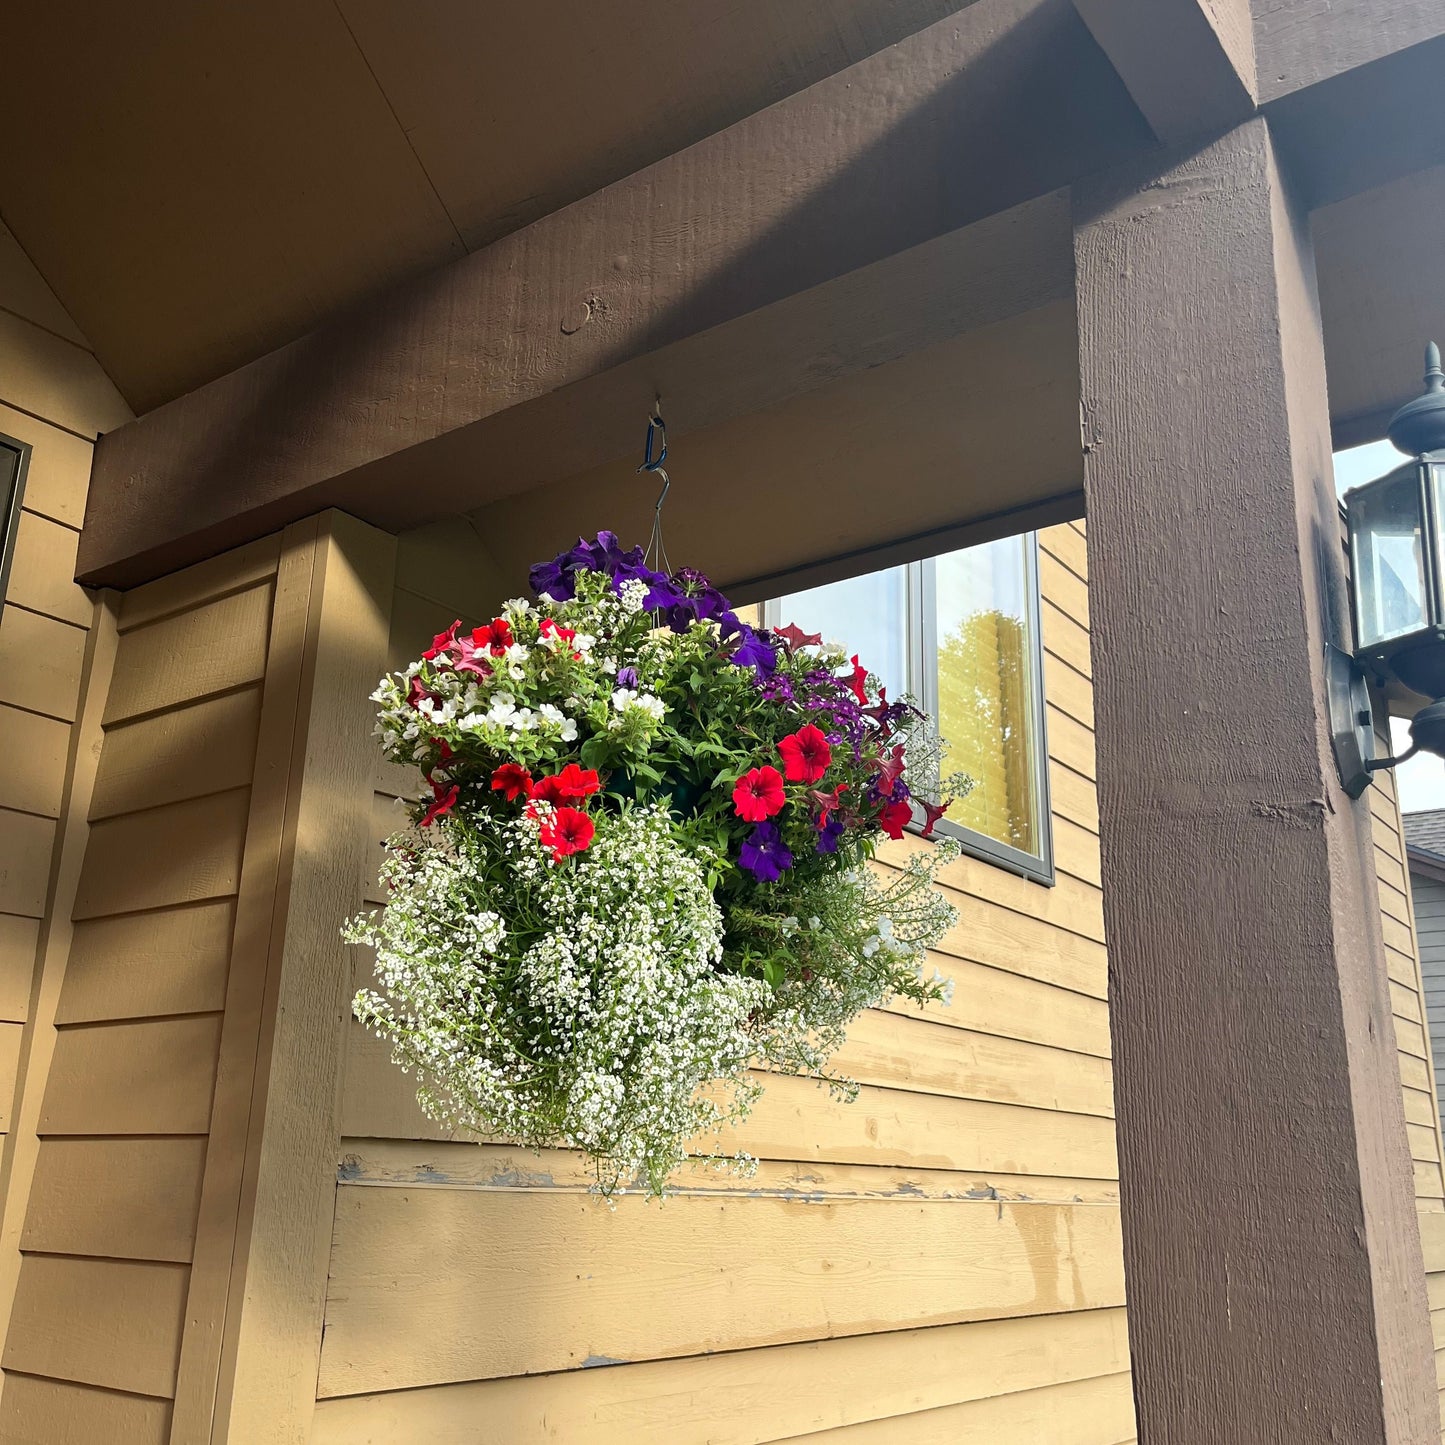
442, 642
444, 797
932, 812
805, 754
895, 817
567, 786
513, 781
416, 693
495, 637
547, 790
567, 831
759, 794
857, 681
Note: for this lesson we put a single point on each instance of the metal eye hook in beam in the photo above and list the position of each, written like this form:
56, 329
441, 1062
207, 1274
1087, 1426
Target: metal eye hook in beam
656, 556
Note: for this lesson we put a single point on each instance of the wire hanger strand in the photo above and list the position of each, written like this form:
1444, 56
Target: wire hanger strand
656, 554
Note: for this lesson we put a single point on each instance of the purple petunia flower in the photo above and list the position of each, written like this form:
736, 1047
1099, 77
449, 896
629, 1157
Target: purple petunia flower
764, 854
627, 677
829, 834
754, 651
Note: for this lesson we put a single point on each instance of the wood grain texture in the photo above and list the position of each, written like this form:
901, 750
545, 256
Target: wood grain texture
633, 269
116, 1198
1189, 64
452, 1285
1250, 1011
246, 979
1078, 1412
35, 1411
26, 844
32, 761
40, 662
788, 1389
109, 1322
273, 1336
150, 1077
38, 1044
18, 940
205, 747
135, 965
180, 853
190, 655
206, 581
59, 466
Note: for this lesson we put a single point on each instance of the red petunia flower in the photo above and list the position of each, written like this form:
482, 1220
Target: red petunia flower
444, 797
513, 781
932, 812
567, 786
564, 635
857, 681
495, 637
895, 817
805, 754
890, 768
567, 831
827, 803
417, 693
442, 642
759, 794
472, 659
795, 637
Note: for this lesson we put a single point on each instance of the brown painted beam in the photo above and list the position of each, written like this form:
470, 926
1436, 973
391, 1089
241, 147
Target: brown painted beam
1276, 1285
1189, 64
392, 411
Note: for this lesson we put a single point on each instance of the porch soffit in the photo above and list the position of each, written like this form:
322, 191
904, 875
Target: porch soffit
201, 184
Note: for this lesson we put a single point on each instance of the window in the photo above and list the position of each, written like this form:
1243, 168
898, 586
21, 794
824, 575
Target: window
960, 632
14, 459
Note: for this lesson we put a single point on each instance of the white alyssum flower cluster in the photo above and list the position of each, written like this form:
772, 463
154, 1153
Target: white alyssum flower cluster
594, 1022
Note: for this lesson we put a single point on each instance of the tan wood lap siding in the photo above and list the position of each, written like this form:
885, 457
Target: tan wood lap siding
937, 1260
1417, 1066
126, 1102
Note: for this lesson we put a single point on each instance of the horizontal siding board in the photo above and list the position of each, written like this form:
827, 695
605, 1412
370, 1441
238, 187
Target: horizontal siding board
206, 747
1070, 743
435, 1286
151, 1077
1063, 588
10, 1036
58, 1412
116, 1198
1076, 1412
108, 1322
40, 663
59, 474
26, 844
190, 588
42, 570
32, 761
799, 1121
1073, 797
18, 940
138, 965
911, 1053
194, 654
180, 853
745, 1397
438, 1163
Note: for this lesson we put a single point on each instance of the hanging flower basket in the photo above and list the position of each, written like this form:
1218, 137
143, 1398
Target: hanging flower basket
642, 866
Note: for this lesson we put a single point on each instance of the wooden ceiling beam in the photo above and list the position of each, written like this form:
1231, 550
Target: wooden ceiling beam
546, 343
1189, 64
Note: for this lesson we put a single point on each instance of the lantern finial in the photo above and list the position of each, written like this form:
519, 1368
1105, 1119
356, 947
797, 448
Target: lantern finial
1419, 425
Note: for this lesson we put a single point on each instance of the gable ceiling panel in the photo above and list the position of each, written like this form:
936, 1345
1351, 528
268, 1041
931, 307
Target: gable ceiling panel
201, 182
519, 110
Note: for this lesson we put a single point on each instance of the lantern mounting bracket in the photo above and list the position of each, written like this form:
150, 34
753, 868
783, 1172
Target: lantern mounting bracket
1352, 722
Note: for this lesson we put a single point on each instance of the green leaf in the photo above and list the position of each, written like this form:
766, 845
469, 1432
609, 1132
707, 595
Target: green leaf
773, 972
594, 751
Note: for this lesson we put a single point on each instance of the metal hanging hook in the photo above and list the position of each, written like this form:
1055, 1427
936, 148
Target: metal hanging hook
656, 555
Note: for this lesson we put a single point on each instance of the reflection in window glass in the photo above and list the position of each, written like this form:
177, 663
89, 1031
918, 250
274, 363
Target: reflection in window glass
958, 632
1391, 572
985, 706
869, 614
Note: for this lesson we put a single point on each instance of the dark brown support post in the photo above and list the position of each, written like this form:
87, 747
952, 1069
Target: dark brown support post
1276, 1288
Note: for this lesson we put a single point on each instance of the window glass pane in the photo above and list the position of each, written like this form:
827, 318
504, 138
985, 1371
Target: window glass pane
1390, 563
986, 685
868, 614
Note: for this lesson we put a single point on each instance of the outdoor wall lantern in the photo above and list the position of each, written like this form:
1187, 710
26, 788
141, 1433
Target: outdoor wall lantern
1397, 578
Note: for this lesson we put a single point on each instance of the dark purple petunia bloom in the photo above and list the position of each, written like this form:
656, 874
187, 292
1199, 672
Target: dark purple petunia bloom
829, 834
764, 854
777, 688
754, 651
627, 677
549, 577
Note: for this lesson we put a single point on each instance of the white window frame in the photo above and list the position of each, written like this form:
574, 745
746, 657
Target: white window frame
921, 651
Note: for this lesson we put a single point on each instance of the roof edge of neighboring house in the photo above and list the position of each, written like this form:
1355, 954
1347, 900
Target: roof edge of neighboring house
1425, 862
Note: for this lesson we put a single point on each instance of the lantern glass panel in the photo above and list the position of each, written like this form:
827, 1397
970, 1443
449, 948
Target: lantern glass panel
1389, 559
